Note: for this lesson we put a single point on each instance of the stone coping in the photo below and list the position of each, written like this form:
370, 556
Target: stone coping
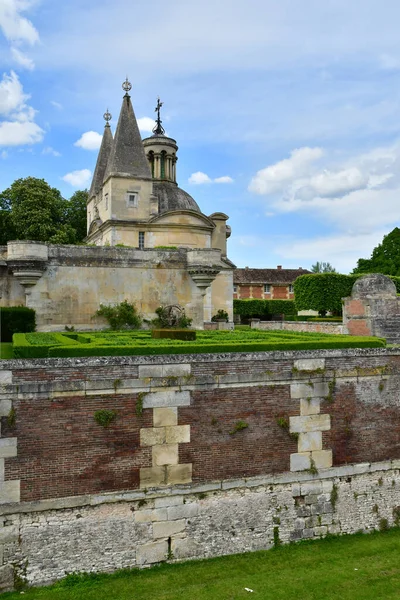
197, 488
239, 357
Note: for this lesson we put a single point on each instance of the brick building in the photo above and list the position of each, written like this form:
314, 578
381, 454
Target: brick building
268, 284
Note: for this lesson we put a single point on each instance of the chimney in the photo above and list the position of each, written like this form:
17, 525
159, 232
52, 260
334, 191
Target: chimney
246, 267
300, 268
279, 267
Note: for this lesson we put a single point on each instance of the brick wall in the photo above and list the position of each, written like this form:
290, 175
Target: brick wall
330, 407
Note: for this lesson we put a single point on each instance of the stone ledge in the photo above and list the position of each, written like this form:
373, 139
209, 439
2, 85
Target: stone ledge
170, 496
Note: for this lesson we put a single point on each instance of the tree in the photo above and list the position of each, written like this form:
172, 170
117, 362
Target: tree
385, 257
32, 210
323, 267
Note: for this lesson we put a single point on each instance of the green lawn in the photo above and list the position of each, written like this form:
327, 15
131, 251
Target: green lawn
6, 350
359, 567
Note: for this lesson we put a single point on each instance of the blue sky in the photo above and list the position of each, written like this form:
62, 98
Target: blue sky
286, 113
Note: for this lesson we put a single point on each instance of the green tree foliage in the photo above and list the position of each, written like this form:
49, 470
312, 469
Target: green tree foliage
323, 267
32, 210
385, 257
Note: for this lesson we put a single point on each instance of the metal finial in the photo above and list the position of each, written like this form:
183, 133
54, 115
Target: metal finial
107, 116
126, 86
158, 129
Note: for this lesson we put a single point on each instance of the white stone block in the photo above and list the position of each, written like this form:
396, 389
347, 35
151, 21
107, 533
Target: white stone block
185, 511
8, 447
165, 454
151, 436
309, 364
168, 501
10, 491
166, 399
310, 407
322, 458
153, 552
310, 441
165, 529
300, 461
303, 390
179, 434
165, 417
311, 487
5, 407
5, 377
309, 423
150, 515
174, 370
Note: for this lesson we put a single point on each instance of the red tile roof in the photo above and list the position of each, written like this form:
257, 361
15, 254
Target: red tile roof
262, 276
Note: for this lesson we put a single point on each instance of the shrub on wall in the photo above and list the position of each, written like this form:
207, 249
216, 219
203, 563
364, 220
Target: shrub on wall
260, 309
16, 319
322, 291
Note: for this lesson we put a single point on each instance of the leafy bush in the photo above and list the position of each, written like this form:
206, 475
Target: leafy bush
221, 315
105, 417
16, 319
169, 317
174, 334
120, 316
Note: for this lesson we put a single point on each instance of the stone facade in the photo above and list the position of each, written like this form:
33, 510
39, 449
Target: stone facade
207, 455
304, 326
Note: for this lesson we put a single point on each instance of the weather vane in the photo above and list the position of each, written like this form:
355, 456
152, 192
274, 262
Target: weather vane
126, 86
107, 116
158, 129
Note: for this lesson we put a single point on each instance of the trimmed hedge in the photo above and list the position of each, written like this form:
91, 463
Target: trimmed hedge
174, 334
16, 319
324, 291
37, 345
260, 308
346, 342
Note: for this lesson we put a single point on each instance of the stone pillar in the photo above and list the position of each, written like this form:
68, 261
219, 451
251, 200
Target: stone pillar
373, 308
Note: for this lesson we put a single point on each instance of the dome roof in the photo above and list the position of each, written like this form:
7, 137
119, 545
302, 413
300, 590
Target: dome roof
171, 197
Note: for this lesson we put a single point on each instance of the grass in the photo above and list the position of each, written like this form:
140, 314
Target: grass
365, 567
6, 350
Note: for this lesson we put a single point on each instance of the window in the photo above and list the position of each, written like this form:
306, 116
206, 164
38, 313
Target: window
235, 289
267, 288
132, 199
106, 200
291, 289
141, 240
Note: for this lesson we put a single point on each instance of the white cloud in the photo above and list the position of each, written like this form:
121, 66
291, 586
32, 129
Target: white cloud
275, 178
146, 124
14, 26
50, 150
16, 133
91, 140
224, 179
78, 179
57, 105
23, 60
199, 178
12, 96
19, 128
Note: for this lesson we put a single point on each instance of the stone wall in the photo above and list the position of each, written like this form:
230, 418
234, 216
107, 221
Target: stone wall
305, 326
207, 454
67, 284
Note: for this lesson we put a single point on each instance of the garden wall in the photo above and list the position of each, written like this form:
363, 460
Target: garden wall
206, 455
304, 326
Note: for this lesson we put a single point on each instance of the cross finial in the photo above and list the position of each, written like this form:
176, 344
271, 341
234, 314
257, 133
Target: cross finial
158, 129
127, 86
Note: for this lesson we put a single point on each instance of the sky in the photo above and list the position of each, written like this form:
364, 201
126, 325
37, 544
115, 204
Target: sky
286, 113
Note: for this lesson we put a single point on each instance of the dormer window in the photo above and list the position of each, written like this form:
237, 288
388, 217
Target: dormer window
132, 199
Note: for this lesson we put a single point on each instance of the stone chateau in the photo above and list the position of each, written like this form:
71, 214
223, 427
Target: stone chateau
148, 241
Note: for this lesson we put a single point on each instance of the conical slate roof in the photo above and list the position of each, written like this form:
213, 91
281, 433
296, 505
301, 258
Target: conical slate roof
102, 159
127, 157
